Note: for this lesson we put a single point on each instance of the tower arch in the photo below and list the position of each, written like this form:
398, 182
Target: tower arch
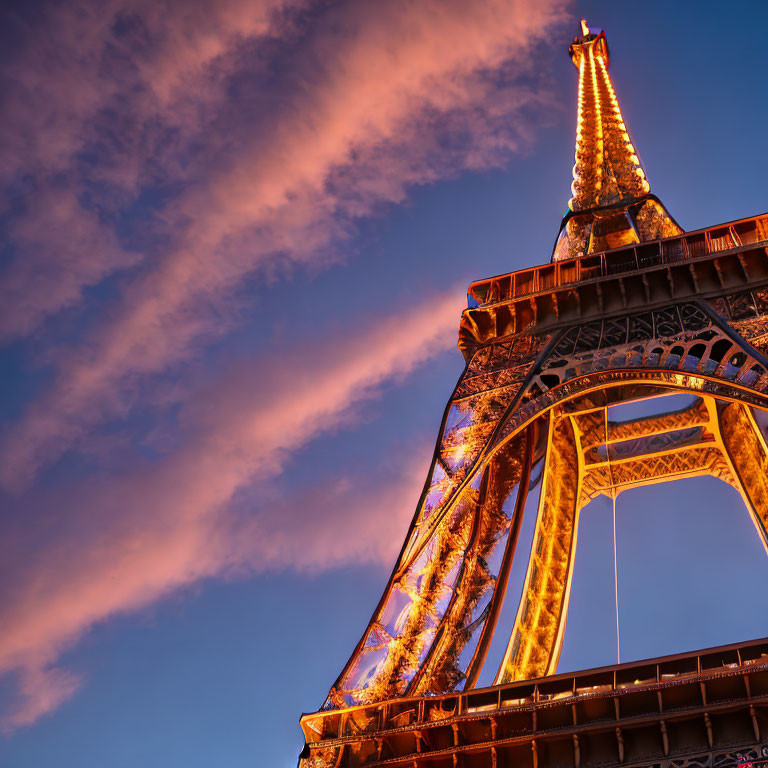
630, 307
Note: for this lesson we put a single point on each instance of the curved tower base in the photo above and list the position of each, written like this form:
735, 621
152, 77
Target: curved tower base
630, 308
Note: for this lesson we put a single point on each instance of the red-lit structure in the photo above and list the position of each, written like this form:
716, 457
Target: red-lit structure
630, 308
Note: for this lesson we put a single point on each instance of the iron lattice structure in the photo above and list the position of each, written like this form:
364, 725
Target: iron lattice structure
630, 308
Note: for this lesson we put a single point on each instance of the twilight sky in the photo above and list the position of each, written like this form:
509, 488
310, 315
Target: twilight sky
236, 237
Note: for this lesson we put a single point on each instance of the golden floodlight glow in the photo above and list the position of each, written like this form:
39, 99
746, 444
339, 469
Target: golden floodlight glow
530, 430
607, 173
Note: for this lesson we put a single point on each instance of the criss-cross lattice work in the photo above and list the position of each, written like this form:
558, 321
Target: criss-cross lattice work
611, 195
431, 631
548, 352
707, 438
607, 169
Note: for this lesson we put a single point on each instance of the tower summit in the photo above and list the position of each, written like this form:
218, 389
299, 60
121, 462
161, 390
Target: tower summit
630, 309
612, 204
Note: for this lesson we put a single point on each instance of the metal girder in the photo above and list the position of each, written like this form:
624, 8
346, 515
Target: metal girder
536, 638
707, 438
429, 630
746, 447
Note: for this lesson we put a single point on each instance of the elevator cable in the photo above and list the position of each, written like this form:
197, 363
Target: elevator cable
615, 557
616, 582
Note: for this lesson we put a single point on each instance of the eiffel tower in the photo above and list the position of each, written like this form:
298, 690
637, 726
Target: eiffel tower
630, 308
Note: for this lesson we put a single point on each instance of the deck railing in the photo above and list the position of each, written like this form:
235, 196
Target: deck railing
742, 659
691, 245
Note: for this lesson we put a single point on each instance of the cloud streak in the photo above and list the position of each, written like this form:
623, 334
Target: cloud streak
380, 97
101, 102
118, 543
164, 165
41, 691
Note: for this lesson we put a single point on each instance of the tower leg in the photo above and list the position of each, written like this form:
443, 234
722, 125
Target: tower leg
534, 647
747, 452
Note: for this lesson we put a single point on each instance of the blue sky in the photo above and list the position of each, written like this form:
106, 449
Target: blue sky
231, 299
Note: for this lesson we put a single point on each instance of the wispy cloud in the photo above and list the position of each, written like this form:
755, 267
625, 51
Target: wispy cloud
101, 104
379, 97
41, 690
114, 544
159, 159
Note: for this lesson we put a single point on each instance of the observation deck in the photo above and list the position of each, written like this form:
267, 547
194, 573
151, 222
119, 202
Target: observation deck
705, 709
705, 263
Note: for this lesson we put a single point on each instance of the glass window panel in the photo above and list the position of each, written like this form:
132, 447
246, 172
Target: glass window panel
438, 489
377, 638
495, 556
460, 415
395, 611
363, 670
449, 584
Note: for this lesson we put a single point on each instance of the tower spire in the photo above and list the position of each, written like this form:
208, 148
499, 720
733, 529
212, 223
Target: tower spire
612, 204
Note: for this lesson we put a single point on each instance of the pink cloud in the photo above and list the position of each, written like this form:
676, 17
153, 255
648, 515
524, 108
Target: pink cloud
104, 95
41, 690
108, 546
360, 117
60, 247
81, 56
265, 153
360, 520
